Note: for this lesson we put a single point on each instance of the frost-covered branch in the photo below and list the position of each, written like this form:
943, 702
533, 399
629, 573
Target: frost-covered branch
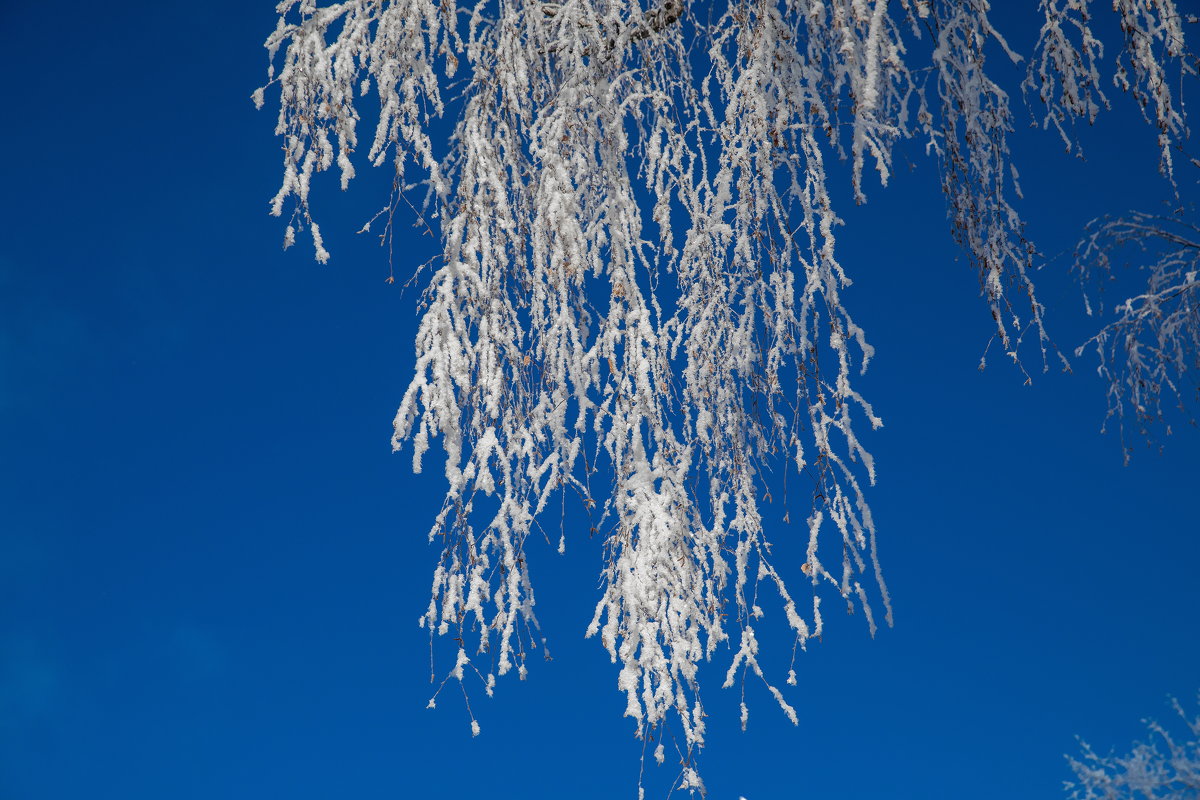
979, 179
639, 299
1152, 347
1065, 69
1151, 65
1164, 768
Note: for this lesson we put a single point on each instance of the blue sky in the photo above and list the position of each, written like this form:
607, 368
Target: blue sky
211, 565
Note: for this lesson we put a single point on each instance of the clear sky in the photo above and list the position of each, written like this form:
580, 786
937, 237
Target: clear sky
211, 566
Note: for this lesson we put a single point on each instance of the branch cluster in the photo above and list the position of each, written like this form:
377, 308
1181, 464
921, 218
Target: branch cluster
679, 346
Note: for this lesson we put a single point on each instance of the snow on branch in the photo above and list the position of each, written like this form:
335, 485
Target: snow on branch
1166, 766
1150, 351
1150, 66
639, 299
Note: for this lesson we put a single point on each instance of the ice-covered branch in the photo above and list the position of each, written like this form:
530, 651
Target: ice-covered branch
1151, 349
1166, 767
639, 299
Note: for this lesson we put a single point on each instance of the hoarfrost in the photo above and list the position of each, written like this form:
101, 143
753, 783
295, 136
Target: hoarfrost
681, 348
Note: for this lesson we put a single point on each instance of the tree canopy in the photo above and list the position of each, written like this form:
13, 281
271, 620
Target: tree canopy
639, 298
